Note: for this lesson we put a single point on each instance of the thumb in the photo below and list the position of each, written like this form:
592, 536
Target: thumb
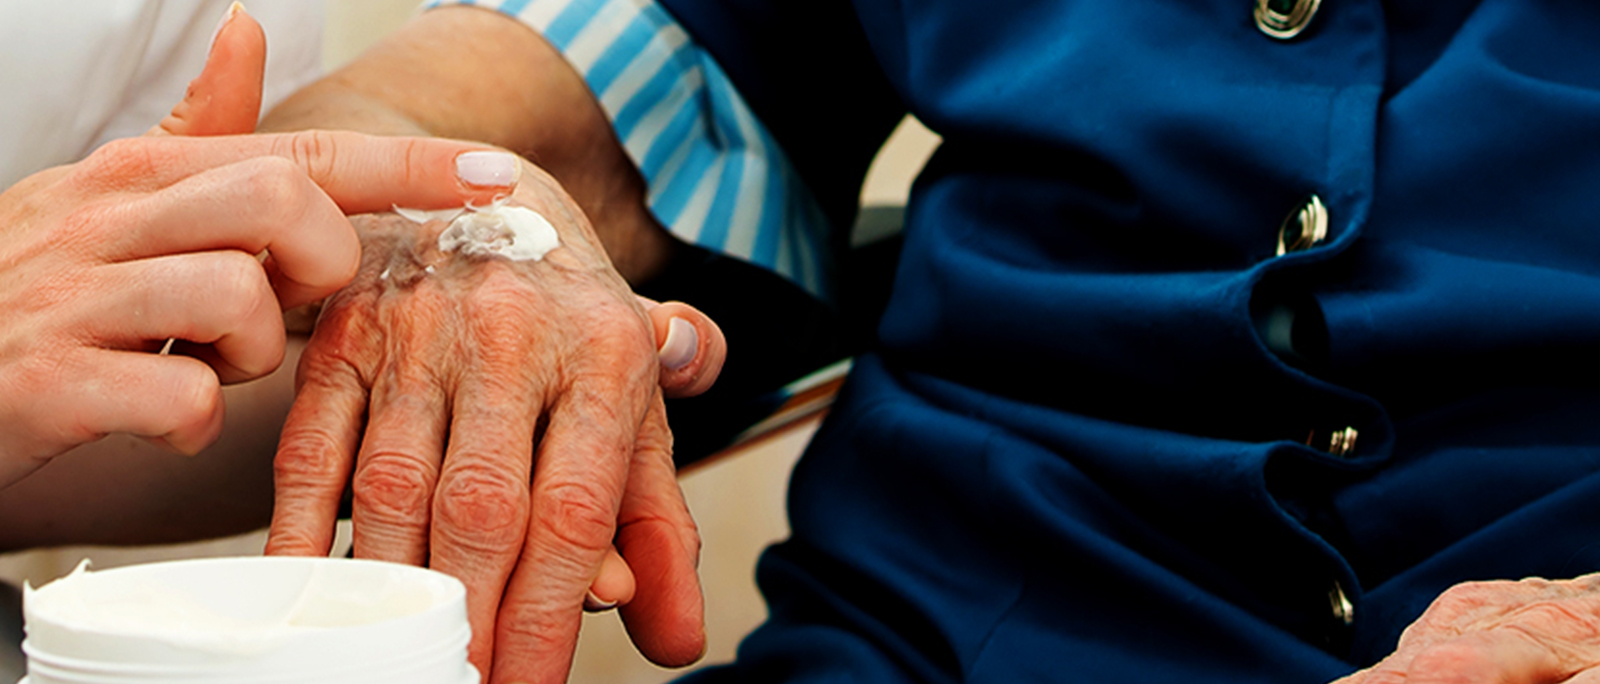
692, 348
226, 98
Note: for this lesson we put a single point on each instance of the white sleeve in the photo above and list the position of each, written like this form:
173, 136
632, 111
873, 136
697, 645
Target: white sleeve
77, 74
182, 39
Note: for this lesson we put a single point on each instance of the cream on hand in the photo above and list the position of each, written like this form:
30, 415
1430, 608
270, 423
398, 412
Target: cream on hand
516, 233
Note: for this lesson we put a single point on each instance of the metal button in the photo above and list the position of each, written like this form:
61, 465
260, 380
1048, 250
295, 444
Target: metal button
1285, 19
1343, 442
1343, 610
1340, 443
1304, 227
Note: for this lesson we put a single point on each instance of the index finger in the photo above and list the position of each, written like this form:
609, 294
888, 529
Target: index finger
656, 534
360, 173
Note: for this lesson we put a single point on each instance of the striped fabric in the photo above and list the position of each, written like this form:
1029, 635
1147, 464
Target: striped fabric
716, 176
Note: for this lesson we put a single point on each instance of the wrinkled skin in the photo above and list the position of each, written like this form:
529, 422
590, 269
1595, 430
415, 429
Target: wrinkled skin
170, 226
1532, 631
440, 393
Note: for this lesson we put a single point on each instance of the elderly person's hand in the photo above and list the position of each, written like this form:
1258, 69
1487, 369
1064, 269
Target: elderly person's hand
512, 433
1532, 631
156, 238
439, 386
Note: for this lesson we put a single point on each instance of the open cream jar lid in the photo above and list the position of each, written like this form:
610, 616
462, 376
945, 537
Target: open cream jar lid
250, 620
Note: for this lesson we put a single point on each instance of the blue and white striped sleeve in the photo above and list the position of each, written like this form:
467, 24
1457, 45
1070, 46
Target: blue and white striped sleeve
716, 176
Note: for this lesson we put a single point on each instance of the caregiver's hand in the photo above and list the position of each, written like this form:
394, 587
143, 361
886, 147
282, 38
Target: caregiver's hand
1532, 631
153, 238
440, 385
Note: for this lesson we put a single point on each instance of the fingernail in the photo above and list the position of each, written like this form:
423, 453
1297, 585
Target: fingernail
682, 343
487, 169
233, 10
593, 604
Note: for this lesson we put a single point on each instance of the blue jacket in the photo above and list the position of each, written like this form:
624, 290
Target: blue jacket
1111, 434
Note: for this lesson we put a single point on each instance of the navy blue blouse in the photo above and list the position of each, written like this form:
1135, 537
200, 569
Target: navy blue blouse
1111, 433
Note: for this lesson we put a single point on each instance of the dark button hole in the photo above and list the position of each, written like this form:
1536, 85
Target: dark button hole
1293, 329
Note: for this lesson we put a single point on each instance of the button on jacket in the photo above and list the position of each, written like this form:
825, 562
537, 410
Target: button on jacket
1112, 433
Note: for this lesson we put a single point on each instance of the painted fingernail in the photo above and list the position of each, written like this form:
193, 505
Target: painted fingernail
486, 169
593, 604
682, 343
228, 16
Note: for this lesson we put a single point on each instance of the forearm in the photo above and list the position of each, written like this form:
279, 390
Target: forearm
123, 490
473, 74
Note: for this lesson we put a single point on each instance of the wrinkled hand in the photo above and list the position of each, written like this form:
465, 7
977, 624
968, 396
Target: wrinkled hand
439, 386
1532, 631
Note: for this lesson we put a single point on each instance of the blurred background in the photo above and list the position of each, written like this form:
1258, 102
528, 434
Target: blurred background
736, 498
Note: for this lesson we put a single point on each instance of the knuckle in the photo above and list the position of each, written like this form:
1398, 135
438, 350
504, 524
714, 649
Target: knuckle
501, 291
196, 395
122, 160
577, 514
193, 400
277, 187
274, 177
393, 488
343, 323
502, 320
482, 509
308, 458
501, 345
624, 325
412, 172
241, 286
333, 265
314, 152
625, 350
531, 630
344, 342
501, 298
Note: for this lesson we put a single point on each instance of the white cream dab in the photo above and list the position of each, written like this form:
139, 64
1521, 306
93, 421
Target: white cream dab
516, 233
